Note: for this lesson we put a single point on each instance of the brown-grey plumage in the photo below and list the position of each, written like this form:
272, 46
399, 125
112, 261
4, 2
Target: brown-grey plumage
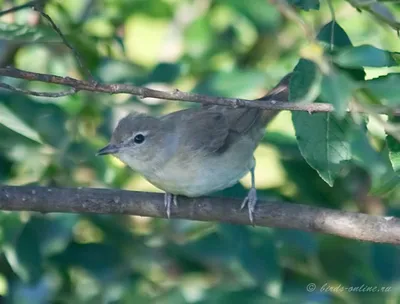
196, 151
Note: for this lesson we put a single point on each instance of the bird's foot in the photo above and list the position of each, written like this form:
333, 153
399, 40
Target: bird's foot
168, 198
250, 201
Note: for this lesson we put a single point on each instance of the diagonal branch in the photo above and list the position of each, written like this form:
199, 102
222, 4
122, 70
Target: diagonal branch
17, 8
65, 41
268, 213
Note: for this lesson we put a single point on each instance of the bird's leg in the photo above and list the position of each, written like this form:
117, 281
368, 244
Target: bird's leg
167, 203
251, 198
168, 198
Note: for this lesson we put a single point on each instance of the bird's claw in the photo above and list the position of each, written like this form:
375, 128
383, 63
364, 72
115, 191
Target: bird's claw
251, 201
168, 197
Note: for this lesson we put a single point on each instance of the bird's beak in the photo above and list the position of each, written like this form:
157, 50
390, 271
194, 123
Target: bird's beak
109, 149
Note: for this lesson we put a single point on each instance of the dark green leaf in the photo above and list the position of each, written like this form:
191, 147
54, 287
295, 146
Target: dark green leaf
305, 81
366, 156
300, 240
209, 249
25, 258
335, 34
365, 56
323, 143
101, 260
35, 293
337, 89
338, 255
244, 295
165, 72
34, 119
54, 233
256, 253
305, 4
386, 261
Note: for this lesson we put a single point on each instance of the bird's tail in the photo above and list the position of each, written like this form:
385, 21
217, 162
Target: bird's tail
280, 93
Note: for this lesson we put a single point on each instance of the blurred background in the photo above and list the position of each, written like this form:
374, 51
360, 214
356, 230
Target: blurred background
231, 48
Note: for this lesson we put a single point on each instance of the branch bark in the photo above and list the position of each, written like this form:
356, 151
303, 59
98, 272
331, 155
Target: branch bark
143, 92
268, 213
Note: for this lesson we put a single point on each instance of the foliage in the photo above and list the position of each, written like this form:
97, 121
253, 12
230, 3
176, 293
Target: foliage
232, 48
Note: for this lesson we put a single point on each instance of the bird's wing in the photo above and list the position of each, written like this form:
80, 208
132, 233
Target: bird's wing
241, 120
204, 129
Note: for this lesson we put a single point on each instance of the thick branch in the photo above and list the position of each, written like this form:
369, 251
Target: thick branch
268, 213
143, 92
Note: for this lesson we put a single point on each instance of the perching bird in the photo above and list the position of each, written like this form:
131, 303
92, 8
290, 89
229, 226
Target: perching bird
197, 151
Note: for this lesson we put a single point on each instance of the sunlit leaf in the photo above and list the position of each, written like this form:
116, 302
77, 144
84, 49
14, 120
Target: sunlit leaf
11, 121
26, 33
385, 88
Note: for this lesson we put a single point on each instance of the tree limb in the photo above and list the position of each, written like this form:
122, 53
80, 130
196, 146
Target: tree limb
351, 225
143, 92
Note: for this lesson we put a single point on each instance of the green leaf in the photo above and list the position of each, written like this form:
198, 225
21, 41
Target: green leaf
165, 72
25, 258
305, 81
30, 293
55, 232
25, 33
394, 154
208, 249
385, 88
365, 56
235, 83
256, 253
264, 15
13, 122
335, 31
305, 4
338, 255
322, 142
394, 148
386, 262
199, 37
100, 259
337, 89
298, 241
366, 156
243, 295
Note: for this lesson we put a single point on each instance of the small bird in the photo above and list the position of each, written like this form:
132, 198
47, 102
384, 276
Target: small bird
196, 151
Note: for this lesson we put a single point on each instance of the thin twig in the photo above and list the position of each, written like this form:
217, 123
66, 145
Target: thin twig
74, 51
143, 92
333, 16
371, 7
287, 11
13, 9
70, 91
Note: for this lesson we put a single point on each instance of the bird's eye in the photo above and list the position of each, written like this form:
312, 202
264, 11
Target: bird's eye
139, 139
